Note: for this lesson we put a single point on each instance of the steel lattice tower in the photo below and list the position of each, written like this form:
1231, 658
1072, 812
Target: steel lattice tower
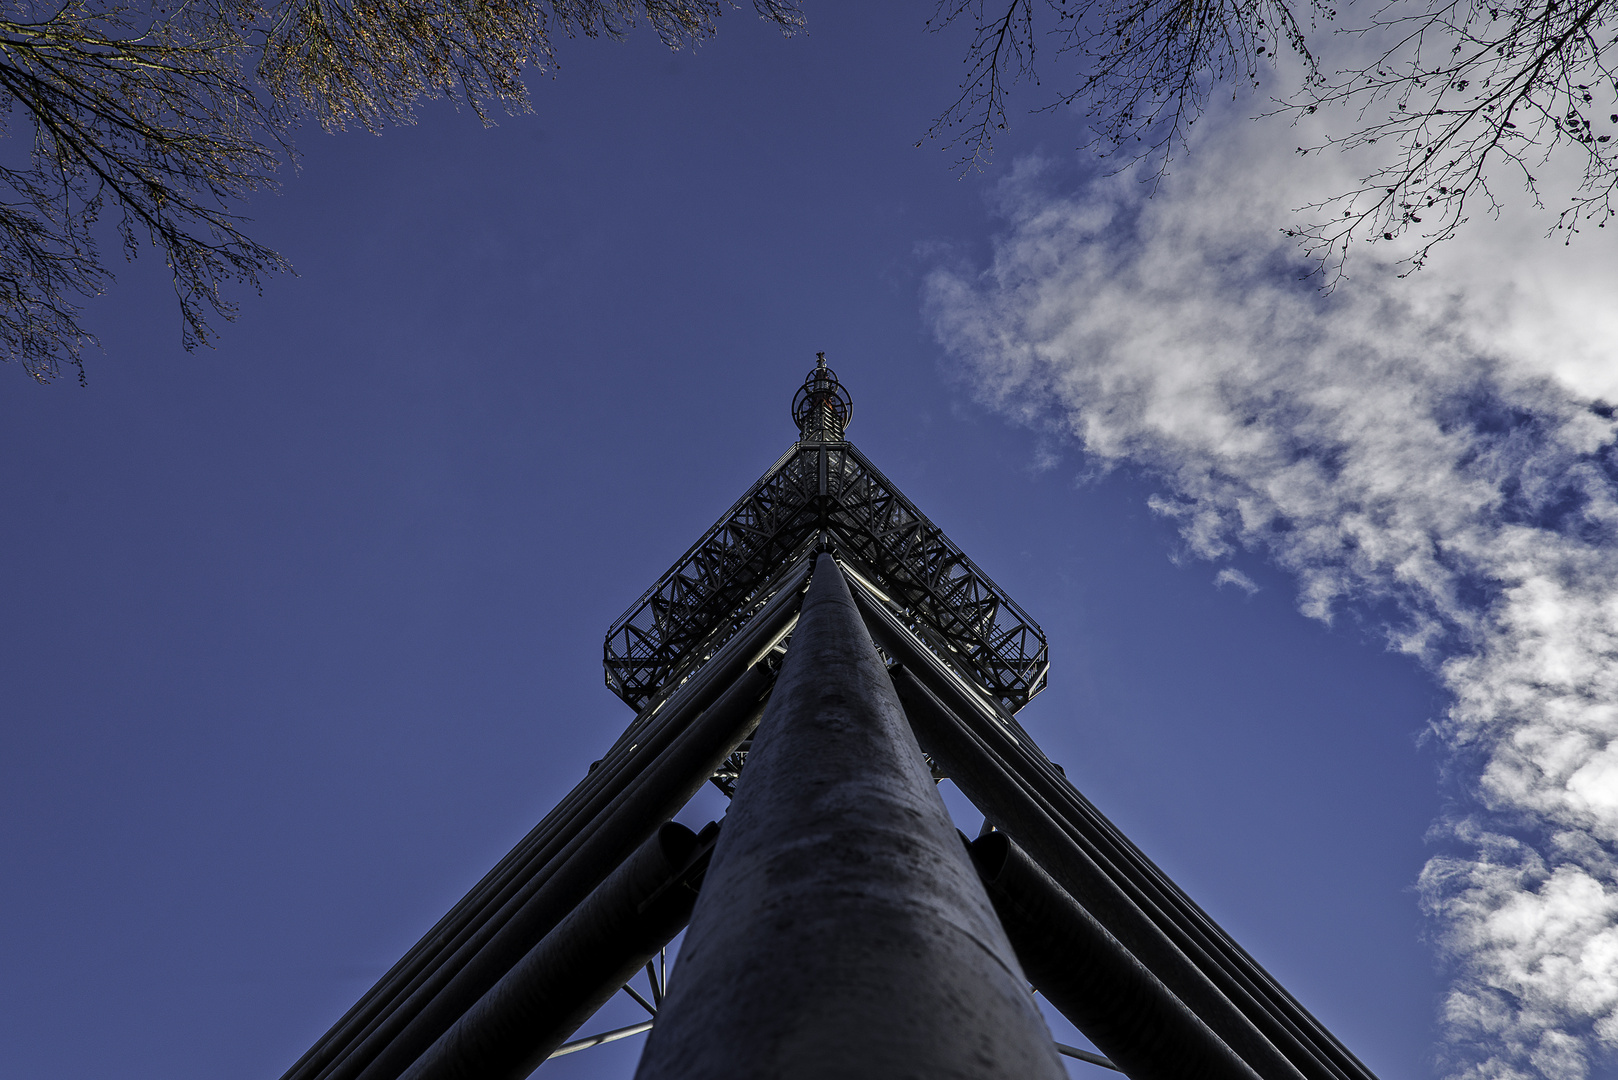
824, 654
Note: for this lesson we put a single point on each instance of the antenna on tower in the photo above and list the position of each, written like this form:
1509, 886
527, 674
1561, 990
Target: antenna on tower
822, 408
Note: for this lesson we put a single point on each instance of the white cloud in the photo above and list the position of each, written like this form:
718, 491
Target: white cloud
1439, 443
1229, 575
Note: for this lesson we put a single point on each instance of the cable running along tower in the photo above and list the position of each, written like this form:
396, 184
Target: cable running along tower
824, 654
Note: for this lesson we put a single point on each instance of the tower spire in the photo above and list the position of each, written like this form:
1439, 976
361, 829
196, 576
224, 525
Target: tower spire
821, 408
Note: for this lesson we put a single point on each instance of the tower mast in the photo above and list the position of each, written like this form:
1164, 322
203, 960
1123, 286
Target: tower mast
824, 654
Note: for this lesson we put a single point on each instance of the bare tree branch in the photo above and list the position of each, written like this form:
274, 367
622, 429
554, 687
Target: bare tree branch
151, 120
1000, 55
1140, 69
169, 116
1464, 91
1462, 94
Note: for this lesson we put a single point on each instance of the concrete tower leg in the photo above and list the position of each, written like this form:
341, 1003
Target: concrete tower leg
842, 930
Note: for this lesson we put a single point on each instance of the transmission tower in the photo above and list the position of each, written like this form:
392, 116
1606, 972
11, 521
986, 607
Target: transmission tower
824, 655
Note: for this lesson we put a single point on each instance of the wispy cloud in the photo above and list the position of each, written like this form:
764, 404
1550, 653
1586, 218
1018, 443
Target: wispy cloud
1229, 575
1439, 445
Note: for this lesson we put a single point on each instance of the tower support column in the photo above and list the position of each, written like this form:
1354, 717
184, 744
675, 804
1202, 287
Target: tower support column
842, 930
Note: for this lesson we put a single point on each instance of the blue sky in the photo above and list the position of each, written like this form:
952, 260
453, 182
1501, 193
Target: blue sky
301, 634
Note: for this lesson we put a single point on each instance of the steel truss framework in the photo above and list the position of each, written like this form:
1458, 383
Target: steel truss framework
590, 898
825, 495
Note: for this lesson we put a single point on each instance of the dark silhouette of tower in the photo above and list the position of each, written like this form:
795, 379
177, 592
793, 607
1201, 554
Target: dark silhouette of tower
824, 654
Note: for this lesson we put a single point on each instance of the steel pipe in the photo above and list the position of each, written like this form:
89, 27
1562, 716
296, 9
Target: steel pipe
572, 972
996, 790
534, 901
659, 793
602, 1039
1284, 1022
842, 931
1272, 1021
349, 1045
1147, 1032
1084, 1055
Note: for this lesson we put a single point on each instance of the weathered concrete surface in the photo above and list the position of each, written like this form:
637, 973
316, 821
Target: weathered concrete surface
842, 930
